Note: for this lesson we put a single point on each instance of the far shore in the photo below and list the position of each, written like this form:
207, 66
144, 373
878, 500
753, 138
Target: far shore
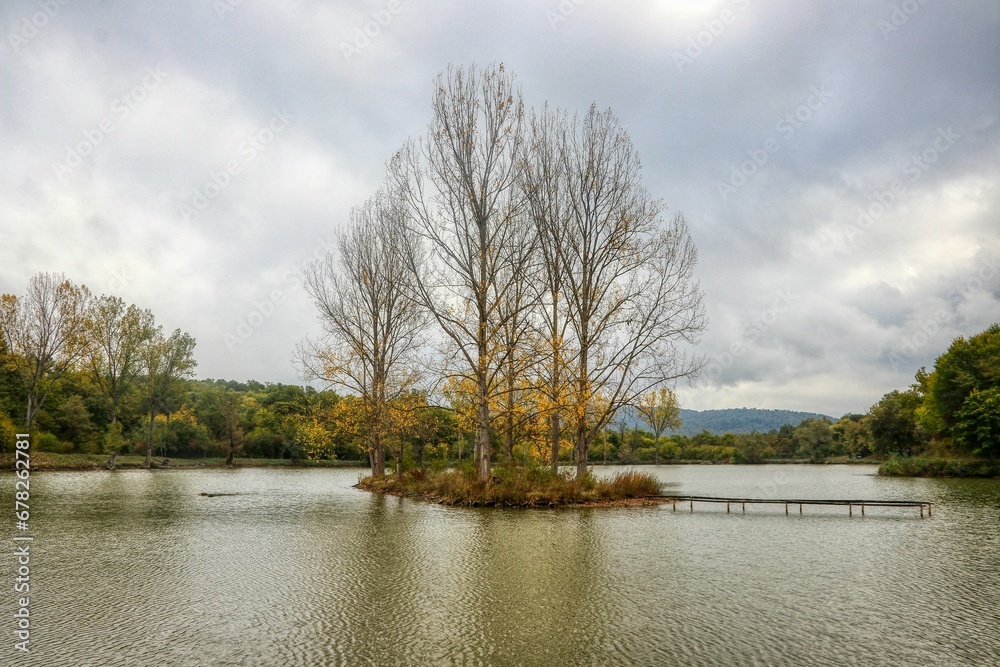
915, 467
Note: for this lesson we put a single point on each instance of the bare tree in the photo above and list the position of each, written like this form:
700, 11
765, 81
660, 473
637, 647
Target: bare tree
519, 345
44, 331
372, 327
659, 409
631, 298
461, 183
115, 336
545, 187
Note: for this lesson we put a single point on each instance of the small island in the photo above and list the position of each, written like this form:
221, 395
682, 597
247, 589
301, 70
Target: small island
520, 487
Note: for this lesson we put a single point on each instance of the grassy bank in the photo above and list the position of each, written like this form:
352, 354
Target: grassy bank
938, 467
517, 487
52, 461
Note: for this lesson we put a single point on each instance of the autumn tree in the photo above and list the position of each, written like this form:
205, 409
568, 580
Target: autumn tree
44, 333
660, 410
371, 325
164, 361
115, 336
545, 189
631, 297
461, 185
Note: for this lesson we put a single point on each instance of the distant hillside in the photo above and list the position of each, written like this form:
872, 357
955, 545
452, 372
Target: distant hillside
734, 420
740, 420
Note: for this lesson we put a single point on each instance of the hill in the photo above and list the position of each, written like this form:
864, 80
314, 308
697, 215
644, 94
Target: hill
733, 420
740, 420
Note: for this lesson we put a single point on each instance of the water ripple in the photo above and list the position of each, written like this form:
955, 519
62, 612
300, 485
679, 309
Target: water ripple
300, 569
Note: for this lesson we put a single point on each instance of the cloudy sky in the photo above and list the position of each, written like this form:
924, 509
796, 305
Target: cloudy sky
838, 162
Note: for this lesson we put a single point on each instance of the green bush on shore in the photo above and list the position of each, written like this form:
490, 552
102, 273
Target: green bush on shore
932, 467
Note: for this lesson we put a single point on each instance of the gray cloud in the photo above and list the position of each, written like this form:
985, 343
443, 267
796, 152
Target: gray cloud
838, 153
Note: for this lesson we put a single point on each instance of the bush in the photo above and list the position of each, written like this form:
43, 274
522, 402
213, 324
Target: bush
8, 433
927, 467
48, 442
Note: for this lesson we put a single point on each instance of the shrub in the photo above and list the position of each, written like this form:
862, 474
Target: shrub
928, 467
515, 487
48, 442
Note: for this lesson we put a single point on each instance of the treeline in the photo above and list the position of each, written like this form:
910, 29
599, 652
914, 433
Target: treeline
953, 410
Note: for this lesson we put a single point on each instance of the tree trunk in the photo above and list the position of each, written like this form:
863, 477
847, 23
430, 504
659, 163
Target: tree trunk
581, 449
555, 429
509, 435
111, 461
376, 457
483, 435
232, 450
149, 440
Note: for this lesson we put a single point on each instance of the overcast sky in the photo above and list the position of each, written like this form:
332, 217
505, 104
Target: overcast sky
837, 162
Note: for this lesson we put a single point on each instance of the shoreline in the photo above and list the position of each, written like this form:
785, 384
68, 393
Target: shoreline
916, 467
648, 501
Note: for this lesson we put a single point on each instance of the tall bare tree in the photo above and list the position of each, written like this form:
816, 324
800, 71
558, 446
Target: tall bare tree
372, 327
545, 187
461, 182
44, 333
631, 296
115, 335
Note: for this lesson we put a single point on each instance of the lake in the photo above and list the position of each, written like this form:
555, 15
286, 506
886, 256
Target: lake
136, 568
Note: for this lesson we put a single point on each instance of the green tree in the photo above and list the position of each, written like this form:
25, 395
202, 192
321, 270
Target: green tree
852, 437
813, 438
75, 420
221, 410
977, 424
165, 361
968, 365
893, 425
115, 336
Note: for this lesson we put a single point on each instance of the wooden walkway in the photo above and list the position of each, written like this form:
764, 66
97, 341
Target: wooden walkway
851, 504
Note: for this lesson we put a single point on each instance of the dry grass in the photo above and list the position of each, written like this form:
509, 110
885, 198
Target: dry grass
517, 487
